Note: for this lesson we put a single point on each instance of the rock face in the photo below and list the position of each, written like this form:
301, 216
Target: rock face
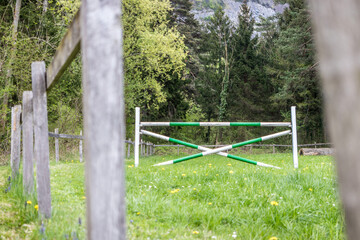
259, 8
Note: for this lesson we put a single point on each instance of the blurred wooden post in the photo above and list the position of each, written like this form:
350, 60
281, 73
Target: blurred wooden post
104, 118
337, 34
41, 138
15, 139
315, 144
57, 146
273, 148
147, 149
129, 148
81, 148
28, 142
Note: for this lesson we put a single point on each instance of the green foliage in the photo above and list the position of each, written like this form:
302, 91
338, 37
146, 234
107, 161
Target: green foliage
154, 53
293, 71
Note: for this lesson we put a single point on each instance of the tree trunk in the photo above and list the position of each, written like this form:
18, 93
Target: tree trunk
316, 151
337, 35
12, 56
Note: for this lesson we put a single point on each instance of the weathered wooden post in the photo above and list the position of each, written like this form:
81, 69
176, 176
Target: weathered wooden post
336, 27
15, 139
41, 138
81, 149
104, 118
147, 149
57, 154
28, 142
141, 148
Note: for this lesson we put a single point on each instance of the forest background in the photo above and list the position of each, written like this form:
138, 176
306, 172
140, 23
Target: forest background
176, 69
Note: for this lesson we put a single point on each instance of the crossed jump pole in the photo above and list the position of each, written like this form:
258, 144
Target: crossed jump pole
220, 150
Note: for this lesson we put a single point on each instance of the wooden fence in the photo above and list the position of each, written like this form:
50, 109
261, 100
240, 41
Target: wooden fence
97, 30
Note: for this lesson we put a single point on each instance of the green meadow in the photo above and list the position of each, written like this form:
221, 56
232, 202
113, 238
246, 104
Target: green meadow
205, 198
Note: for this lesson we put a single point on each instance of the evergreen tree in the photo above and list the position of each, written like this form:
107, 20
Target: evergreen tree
213, 84
294, 74
249, 88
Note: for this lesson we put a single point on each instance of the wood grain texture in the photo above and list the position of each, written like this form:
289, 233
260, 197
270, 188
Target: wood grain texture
337, 35
41, 152
28, 142
57, 152
104, 123
15, 139
65, 53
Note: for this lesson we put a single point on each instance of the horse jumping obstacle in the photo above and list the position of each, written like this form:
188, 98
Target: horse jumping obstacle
207, 151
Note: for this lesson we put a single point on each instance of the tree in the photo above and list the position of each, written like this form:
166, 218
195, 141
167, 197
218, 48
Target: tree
216, 56
293, 71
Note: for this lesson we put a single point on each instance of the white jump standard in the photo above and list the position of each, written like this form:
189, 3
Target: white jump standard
202, 149
207, 151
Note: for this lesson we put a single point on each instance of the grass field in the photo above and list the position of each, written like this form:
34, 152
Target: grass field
205, 198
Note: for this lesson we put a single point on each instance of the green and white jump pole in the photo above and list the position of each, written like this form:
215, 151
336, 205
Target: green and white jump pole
225, 148
292, 125
203, 149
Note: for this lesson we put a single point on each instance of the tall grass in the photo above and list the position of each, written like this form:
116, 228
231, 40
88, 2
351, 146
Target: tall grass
208, 198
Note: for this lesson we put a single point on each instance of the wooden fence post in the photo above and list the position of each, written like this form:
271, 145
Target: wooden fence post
15, 139
104, 118
41, 138
129, 148
336, 28
147, 148
81, 148
273, 148
57, 154
28, 142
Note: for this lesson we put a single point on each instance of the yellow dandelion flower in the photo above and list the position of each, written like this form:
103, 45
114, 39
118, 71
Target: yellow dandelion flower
36, 207
129, 166
138, 213
194, 171
229, 164
274, 203
132, 165
29, 202
183, 174
245, 179
83, 197
195, 232
210, 203
273, 238
310, 189
163, 169
231, 172
217, 174
194, 189
206, 174
173, 191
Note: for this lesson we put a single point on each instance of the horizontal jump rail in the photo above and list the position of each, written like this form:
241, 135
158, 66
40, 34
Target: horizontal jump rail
225, 148
252, 145
217, 124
